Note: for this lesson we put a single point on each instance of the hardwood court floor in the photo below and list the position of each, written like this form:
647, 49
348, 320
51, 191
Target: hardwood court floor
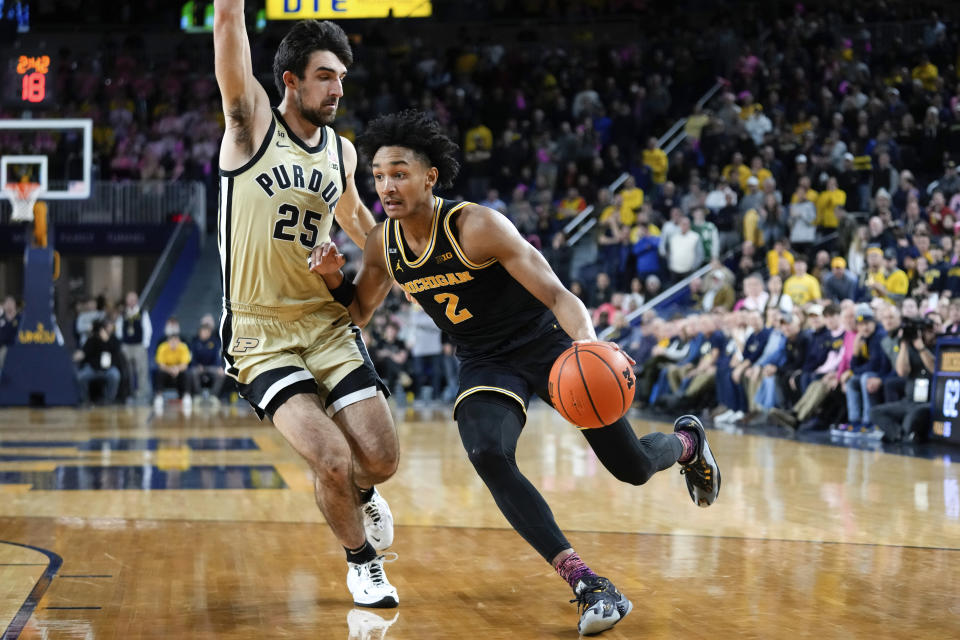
117, 525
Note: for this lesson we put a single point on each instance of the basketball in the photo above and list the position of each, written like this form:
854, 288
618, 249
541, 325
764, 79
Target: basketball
591, 384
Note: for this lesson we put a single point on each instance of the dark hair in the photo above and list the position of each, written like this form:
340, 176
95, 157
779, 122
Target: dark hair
832, 309
301, 41
420, 133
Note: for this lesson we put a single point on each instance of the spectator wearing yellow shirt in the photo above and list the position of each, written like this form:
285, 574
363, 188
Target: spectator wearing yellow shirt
926, 72
173, 357
801, 286
827, 202
571, 205
758, 171
656, 160
812, 195
631, 197
609, 206
737, 170
780, 250
882, 278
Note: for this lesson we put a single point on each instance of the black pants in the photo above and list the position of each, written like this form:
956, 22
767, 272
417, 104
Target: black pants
163, 380
899, 419
490, 427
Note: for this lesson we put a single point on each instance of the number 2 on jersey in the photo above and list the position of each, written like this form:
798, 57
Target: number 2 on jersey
455, 315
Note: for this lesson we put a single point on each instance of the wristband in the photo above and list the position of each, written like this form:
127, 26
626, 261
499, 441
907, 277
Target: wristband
344, 293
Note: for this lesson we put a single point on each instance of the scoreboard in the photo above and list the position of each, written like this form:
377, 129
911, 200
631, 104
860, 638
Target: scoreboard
945, 401
28, 82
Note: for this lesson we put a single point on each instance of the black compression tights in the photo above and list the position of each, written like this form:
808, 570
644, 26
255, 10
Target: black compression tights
489, 428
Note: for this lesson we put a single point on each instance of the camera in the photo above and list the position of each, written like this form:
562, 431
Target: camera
911, 328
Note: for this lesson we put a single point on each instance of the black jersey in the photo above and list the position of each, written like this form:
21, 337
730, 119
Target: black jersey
483, 309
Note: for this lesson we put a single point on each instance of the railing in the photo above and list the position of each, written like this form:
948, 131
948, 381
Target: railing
141, 202
586, 220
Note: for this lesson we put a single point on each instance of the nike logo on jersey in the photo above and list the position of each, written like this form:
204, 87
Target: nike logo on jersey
282, 146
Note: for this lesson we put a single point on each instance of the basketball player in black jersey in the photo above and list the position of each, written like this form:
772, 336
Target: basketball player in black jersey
509, 317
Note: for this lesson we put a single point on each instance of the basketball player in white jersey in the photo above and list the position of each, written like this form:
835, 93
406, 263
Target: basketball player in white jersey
291, 346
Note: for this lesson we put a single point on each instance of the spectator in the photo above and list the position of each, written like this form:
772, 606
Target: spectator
135, 331
656, 161
905, 419
868, 366
9, 326
646, 253
392, 359
172, 358
708, 234
802, 221
840, 284
206, 364
685, 251
99, 360
801, 286
827, 203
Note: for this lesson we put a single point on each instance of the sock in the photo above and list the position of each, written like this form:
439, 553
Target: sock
572, 569
362, 554
365, 494
689, 442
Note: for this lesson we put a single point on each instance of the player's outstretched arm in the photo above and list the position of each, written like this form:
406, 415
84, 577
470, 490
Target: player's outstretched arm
351, 214
368, 289
486, 234
246, 106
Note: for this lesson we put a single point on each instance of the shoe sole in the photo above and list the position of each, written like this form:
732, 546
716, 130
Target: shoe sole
387, 602
602, 624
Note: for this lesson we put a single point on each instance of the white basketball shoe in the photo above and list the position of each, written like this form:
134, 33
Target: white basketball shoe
369, 585
378, 522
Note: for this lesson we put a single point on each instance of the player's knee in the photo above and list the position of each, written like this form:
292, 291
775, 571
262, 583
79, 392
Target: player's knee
488, 457
331, 469
636, 474
381, 467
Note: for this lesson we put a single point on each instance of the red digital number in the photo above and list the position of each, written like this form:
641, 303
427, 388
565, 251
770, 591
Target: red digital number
34, 87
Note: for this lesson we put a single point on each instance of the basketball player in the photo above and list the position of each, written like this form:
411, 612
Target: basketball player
284, 176
510, 317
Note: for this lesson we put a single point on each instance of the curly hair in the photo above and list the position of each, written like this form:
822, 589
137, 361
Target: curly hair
414, 130
301, 41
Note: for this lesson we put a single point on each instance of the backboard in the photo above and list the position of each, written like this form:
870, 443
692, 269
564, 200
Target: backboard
56, 153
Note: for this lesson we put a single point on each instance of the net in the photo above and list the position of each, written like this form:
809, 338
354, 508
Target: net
22, 196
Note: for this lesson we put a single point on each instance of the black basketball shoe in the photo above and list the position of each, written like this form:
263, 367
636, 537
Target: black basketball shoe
600, 605
702, 472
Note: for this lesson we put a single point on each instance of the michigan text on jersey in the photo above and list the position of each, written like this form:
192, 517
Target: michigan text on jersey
432, 282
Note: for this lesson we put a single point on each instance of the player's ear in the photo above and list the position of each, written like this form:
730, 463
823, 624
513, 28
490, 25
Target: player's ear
432, 176
290, 79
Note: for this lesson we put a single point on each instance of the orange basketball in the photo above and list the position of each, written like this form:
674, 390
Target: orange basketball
591, 384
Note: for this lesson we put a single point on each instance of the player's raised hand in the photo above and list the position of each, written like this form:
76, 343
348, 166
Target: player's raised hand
325, 258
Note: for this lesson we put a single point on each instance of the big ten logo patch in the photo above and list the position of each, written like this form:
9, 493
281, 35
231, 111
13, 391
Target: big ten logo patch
443, 258
242, 345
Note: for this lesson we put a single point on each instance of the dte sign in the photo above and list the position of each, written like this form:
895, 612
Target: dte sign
293, 6
340, 9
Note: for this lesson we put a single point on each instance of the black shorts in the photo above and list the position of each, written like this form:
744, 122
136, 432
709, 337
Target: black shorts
517, 374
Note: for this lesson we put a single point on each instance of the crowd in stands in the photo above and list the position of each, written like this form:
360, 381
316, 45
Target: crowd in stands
820, 179
113, 349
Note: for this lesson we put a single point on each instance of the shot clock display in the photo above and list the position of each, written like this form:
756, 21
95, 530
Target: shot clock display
29, 81
945, 401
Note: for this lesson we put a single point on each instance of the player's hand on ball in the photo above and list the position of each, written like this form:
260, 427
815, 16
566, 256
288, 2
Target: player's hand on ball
612, 345
325, 258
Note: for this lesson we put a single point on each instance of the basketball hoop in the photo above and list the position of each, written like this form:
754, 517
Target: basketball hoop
22, 197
